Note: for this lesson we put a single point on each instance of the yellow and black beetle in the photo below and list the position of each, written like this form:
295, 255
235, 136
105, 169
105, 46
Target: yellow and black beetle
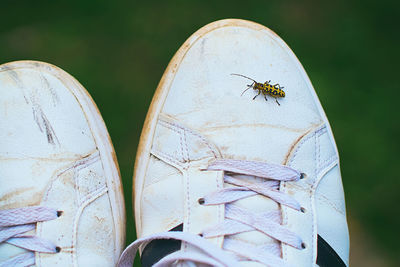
264, 88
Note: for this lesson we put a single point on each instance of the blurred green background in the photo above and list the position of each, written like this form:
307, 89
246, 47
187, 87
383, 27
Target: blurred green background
119, 49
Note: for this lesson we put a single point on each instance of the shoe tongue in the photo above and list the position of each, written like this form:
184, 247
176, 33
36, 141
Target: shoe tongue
255, 204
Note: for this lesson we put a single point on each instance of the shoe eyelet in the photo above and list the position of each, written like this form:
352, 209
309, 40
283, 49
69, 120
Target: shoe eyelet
303, 245
59, 213
303, 210
303, 175
201, 201
58, 249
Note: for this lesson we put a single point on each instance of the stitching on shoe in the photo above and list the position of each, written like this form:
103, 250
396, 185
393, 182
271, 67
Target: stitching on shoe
321, 175
169, 157
313, 217
76, 164
182, 131
312, 206
298, 148
326, 163
299, 145
320, 131
317, 155
186, 147
86, 164
328, 202
323, 164
192, 133
91, 197
316, 162
184, 150
185, 246
181, 145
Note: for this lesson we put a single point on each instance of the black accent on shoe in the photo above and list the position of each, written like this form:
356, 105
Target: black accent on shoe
326, 256
158, 249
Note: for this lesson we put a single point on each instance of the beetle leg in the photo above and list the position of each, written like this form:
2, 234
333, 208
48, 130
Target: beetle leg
264, 92
250, 85
277, 101
259, 92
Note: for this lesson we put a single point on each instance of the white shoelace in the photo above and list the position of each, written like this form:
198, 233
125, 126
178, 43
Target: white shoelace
15, 222
237, 220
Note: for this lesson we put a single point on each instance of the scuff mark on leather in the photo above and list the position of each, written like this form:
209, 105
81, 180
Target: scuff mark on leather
15, 77
44, 124
47, 85
38, 114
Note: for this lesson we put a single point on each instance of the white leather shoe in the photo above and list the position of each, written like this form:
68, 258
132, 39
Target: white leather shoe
258, 180
61, 201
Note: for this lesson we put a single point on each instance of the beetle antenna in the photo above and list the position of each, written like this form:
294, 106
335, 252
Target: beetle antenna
243, 77
246, 90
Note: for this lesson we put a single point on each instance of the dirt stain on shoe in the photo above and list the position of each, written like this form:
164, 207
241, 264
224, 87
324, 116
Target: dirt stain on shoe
7, 201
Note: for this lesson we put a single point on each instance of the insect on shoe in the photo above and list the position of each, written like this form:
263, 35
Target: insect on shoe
61, 201
224, 180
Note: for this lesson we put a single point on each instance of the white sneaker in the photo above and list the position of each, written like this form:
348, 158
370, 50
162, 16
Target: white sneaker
61, 201
258, 180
